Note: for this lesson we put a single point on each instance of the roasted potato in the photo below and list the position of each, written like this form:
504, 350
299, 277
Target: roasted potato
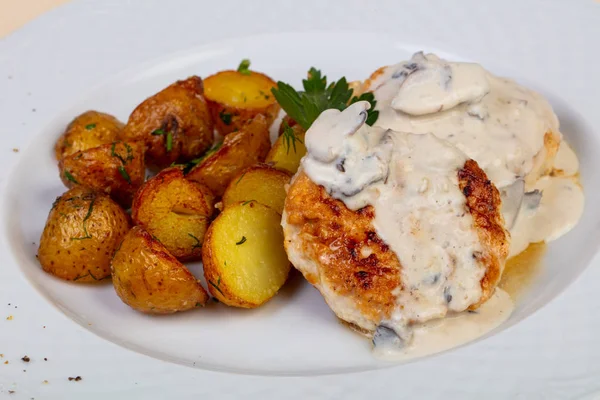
239, 150
245, 263
261, 183
83, 230
149, 279
175, 124
288, 150
88, 130
116, 169
235, 97
175, 211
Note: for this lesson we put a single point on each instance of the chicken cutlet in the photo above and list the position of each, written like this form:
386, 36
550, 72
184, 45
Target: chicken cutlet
394, 229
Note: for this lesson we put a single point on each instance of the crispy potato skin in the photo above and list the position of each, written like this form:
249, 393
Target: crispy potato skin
86, 131
176, 211
260, 182
243, 242
83, 230
329, 235
179, 110
284, 155
149, 279
234, 99
240, 149
116, 169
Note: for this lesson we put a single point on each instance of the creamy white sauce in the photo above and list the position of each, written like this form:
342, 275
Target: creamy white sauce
548, 213
496, 122
420, 211
456, 329
566, 162
493, 120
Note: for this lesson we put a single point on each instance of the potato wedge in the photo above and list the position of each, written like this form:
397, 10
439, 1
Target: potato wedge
261, 183
288, 150
175, 124
83, 230
86, 131
116, 169
149, 279
245, 263
234, 98
239, 150
175, 211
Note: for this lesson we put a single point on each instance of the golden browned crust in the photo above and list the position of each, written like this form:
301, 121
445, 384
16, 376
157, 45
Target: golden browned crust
354, 262
175, 211
83, 230
240, 150
149, 279
335, 237
483, 202
179, 112
229, 117
116, 169
367, 85
86, 131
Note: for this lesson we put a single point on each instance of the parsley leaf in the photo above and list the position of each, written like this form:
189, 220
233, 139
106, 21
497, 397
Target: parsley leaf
244, 66
225, 117
85, 219
124, 174
70, 177
196, 245
169, 143
89, 127
203, 157
305, 106
217, 285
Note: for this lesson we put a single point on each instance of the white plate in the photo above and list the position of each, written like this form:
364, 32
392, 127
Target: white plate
109, 56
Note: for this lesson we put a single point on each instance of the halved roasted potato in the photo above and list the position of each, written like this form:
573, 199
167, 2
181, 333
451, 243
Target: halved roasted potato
175, 211
288, 149
235, 97
83, 230
86, 131
149, 279
239, 150
245, 263
116, 169
261, 183
175, 124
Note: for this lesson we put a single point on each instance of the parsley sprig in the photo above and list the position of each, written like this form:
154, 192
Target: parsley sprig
305, 106
244, 67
